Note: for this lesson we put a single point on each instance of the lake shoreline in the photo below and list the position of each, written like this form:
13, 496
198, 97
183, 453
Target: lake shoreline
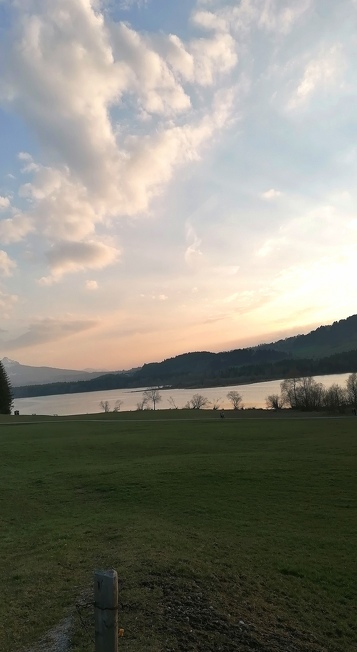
253, 396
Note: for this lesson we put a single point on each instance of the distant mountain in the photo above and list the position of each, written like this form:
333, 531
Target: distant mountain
326, 350
20, 374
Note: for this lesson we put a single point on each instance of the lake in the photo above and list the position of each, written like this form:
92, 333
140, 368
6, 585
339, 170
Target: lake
254, 395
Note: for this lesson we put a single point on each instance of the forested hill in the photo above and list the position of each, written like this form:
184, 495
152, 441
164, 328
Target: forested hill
328, 349
324, 341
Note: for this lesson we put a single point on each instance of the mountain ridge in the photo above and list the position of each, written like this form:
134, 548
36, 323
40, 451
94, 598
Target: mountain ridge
250, 364
20, 374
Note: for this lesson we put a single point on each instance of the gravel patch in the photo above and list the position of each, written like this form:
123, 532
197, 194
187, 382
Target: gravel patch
57, 639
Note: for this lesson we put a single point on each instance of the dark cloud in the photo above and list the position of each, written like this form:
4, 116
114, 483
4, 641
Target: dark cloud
49, 330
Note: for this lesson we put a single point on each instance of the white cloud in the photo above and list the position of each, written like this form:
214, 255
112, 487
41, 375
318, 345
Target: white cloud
15, 228
320, 73
4, 203
68, 257
91, 285
314, 233
193, 253
271, 194
210, 21
213, 57
276, 16
154, 297
66, 72
148, 75
6, 264
7, 301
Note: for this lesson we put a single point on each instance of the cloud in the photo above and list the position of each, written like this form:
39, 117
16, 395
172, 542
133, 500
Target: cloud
83, 84
271, 194
193, 253
155, 297
68, 257
6, 264
91, 285
213, 57
15, 228
210, 21
272, 16
320, 73
49, 330
7, 301
4, 203
314, 232
276, 17
154, 85
247, 301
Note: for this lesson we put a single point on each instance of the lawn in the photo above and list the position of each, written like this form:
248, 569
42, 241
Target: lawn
234, 534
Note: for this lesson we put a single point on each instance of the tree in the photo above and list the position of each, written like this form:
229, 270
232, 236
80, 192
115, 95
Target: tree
6, 398
216, 404
303, 393
274, 402
289, 390
141, 405
198, 401
335, 398
172, 403
235, 398
105, 406
152, 396
352, 390
118, 405
310, 394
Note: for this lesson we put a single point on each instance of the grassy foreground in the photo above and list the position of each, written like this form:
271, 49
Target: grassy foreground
235, 534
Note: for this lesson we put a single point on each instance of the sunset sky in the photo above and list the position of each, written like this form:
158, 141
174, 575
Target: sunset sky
174, 175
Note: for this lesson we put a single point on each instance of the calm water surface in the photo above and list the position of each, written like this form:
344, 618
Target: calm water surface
254, 395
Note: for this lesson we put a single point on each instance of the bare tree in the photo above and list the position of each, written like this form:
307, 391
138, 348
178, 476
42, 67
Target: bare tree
142, 405
198, 401
216, 404
118, 405
152, 396
274, 402
303, 393
105, 406
289, 391
352, 390
172, 403
310, 394
235, 398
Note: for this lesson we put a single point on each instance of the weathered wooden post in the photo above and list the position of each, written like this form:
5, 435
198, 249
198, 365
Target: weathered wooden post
106, 611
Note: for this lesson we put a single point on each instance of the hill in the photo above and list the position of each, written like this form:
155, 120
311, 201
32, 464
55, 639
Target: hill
326, 350
21, 374
324, 341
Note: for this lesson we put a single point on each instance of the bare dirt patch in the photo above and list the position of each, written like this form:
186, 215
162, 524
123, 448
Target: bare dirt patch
179, 615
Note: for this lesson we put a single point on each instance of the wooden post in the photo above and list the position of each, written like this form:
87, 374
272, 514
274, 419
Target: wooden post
106, 611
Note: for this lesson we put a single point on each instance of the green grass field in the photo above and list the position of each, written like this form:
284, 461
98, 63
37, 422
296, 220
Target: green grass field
235, 534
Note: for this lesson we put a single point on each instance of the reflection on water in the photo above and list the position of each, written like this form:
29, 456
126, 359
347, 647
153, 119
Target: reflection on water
254, 395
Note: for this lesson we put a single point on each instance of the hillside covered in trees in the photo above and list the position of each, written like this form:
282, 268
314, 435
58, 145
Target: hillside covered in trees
326, 350
339, 337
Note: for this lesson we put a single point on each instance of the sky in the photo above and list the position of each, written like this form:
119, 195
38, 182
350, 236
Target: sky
174, 176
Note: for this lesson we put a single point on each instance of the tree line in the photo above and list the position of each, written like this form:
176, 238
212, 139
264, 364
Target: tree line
308, 395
